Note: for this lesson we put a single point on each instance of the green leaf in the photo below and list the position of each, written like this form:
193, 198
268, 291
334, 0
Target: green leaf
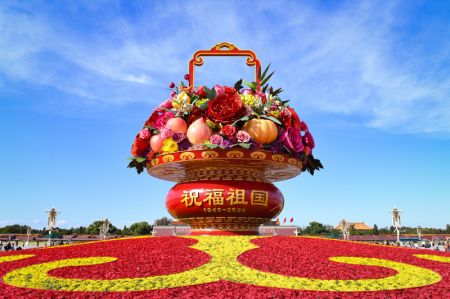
271, 118
211, 145
277, 91
244, 145
140, 159
245, 118
263, 82
261, 76
210, 93
252, 85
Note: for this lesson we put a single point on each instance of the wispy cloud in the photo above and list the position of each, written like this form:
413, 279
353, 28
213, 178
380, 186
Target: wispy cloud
365, 59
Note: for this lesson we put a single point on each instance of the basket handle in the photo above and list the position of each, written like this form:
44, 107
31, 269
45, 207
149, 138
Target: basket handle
224, 49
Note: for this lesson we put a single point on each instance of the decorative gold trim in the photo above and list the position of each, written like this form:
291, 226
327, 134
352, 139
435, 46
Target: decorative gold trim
168, 158
278, 158
235, 154
212, 173
154, 162
210, 154
230, 47
187, 156
258, 155
292, 161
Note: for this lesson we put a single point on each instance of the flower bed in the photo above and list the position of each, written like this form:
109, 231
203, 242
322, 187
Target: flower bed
225, 266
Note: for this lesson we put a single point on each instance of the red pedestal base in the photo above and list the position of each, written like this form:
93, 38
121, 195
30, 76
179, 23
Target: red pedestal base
236, 206
224, 190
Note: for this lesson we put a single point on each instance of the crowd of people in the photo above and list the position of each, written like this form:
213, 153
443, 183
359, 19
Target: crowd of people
12, 245
20, 245
437, 245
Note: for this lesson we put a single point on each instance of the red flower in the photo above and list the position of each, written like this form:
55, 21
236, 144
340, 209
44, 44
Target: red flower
150, 155
226, 107
201, 92
140, 146
186, 77
172, 85
290, 118
196, 113
229, 131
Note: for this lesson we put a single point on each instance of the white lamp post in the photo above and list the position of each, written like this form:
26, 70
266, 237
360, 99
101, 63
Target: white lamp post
396, 221
345, 229
28, 236
104, 228
51, 220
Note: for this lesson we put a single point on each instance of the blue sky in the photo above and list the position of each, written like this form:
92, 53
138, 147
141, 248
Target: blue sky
79, 78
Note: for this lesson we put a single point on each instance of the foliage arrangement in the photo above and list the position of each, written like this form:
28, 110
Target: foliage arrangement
224, 117
224, 266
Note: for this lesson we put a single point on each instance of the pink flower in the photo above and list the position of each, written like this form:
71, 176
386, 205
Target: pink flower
216, 139
304, 126
173, 93
262, 96
172, 85
243, 136
144, 134
220, 90
159, 118
166, 104
167, 133
308, 140
292, 140
247, 91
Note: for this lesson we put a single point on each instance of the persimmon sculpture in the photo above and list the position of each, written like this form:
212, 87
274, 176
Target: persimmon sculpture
224, 147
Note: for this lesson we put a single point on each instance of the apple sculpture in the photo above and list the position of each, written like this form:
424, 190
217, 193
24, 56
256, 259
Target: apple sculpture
224, 147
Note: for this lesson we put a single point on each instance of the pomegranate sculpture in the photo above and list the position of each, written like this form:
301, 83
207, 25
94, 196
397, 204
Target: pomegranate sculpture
224, 147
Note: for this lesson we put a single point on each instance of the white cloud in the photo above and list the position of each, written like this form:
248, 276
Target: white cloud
352, 59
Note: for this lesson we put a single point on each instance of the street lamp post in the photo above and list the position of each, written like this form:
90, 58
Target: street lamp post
28, 236
51, 220
419, 233
345, 229
104, 228
396, 221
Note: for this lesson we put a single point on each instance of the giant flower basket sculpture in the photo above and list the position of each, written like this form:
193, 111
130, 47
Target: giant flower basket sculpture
225, 146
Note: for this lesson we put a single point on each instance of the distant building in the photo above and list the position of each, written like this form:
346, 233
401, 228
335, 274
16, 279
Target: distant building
357, 226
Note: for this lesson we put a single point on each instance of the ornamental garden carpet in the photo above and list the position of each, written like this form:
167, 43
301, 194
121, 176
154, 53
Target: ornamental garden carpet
224, 266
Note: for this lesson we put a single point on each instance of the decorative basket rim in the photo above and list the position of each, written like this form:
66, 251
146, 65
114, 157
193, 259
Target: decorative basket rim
267, 165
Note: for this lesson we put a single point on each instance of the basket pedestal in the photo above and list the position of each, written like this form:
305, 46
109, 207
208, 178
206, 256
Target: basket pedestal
224, 190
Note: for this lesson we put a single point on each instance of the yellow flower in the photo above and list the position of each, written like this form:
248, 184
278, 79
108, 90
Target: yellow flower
248, 99
182, 99
169, 146
202, 103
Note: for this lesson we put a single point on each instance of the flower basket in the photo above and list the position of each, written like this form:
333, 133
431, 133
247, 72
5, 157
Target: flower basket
224, 147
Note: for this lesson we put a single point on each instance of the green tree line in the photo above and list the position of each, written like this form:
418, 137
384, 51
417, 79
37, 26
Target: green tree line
138, 228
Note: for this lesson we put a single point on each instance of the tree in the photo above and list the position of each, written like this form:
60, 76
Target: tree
315, 228
141, 228
14, 229
94, 228
375, 230
163, 221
